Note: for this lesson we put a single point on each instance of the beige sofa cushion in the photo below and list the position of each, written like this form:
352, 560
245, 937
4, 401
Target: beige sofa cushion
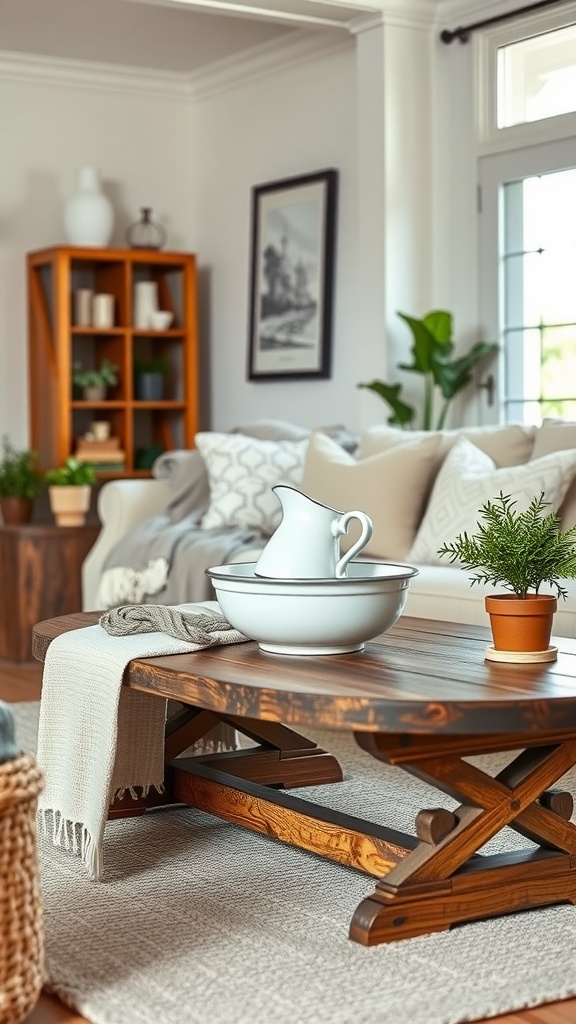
468, 478
554, 436
509, 445
390, 487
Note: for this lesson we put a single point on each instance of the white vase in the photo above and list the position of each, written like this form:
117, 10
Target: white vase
88, 214
145, 304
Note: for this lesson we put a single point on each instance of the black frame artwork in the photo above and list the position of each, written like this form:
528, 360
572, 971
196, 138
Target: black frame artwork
292, 274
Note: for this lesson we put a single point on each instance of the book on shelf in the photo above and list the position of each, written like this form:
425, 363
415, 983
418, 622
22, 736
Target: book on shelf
85, 444
98, 457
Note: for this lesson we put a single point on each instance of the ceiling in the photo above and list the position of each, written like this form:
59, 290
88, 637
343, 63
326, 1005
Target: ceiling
165, 35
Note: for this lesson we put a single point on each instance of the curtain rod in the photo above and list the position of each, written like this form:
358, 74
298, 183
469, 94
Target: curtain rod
463, 31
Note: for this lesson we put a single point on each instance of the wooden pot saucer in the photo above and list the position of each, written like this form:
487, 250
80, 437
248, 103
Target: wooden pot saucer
521, 657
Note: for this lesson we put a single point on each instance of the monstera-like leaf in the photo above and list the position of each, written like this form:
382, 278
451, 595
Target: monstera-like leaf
443, 376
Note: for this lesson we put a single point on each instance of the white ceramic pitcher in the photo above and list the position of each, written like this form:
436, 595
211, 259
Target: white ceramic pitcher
306, 544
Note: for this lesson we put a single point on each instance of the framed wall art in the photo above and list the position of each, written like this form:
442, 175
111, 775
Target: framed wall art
292, 270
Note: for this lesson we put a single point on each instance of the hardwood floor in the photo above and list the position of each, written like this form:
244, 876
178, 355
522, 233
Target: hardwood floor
21, 682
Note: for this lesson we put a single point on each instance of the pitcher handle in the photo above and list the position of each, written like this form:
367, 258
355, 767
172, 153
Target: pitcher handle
340, 527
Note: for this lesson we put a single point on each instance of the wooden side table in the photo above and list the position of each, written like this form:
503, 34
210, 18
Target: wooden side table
40, 567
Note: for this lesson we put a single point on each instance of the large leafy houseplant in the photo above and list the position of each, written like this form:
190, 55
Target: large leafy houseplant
519, 551
443, 376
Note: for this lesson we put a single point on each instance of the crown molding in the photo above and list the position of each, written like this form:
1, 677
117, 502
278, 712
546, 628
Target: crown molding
418, 14
258, 62
297, 48
73, 74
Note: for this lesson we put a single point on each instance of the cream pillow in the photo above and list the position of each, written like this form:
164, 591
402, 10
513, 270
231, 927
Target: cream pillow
509, 445
241, 472
556, 436
469, 478
390, 487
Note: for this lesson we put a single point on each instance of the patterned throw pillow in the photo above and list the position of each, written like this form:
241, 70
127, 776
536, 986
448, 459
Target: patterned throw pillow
241, 472
468, 478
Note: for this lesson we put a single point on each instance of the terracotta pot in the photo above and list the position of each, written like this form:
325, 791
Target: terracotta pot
16, 510
521, 623
70, 503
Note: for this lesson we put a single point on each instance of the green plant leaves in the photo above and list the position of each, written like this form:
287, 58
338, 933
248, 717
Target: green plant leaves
71, 473
432, 348
452, 376
402, 413
518, 550
19, 476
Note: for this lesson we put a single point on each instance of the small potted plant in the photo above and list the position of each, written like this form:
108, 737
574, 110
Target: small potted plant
520, 551
69, 489
19, 482
93, 383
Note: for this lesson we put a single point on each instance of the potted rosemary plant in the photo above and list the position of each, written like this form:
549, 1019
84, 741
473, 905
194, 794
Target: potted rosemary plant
19, 483
69, 489
518, 551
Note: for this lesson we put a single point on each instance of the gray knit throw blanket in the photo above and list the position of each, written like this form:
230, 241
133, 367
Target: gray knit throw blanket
160, 618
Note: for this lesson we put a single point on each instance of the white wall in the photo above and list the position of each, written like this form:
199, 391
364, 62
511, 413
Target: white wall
142, 146
290, 123
406, 233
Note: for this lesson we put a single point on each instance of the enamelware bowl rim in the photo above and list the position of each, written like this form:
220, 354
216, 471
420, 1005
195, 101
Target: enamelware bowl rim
230, 572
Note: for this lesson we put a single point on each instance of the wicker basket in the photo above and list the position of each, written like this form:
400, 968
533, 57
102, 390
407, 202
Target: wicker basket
21, 936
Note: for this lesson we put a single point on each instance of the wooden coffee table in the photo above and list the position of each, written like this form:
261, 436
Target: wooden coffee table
422, 698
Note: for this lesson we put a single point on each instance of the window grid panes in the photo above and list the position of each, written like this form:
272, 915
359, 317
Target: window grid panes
539, 283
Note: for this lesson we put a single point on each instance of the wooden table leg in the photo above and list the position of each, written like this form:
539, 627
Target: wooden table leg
282, 758
444, 880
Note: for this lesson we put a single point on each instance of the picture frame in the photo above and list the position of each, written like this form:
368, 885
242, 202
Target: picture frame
292, 274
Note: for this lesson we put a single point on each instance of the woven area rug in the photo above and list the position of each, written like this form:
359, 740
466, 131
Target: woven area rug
201, 922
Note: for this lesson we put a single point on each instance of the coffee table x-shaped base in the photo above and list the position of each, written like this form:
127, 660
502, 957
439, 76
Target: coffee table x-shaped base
426, 882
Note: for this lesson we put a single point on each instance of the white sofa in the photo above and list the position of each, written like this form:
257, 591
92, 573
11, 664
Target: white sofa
416, 486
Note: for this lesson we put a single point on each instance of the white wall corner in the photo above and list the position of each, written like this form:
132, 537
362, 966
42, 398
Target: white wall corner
288, 52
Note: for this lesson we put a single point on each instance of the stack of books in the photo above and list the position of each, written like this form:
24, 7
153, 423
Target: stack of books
105, 456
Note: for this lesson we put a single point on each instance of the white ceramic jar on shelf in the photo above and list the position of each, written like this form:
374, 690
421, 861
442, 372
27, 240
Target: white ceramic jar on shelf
145, 304
88, 214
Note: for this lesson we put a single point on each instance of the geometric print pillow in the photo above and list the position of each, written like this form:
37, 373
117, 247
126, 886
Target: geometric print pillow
241, 472
468, 478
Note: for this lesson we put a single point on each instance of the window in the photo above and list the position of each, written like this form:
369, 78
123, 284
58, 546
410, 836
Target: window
536, 78
539, 292
528, 222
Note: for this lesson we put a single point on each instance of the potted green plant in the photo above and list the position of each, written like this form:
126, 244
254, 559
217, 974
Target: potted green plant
150, 377
19, 482
69, 488
443, 376
93, 383
519, 551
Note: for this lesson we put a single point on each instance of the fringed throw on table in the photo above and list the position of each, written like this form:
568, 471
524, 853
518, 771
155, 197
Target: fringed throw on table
97, 739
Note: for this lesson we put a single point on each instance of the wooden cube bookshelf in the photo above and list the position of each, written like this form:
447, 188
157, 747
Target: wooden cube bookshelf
59, 415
